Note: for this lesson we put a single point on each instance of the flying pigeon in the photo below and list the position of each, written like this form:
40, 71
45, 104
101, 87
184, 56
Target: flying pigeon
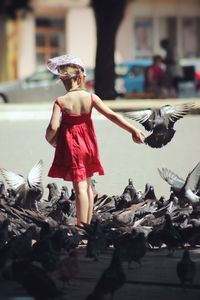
185, 190
28, 191
160, 122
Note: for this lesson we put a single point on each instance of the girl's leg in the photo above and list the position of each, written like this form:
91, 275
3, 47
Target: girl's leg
82, 201
91, 200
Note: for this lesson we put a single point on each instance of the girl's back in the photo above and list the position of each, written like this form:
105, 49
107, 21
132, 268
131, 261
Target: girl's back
76, 102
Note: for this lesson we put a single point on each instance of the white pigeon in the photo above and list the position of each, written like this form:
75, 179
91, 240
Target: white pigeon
27, 190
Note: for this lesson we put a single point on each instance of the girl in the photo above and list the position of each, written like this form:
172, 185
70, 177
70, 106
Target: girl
71, 132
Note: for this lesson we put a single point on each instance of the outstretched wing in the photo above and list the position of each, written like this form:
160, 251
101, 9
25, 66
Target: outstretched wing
35, 175
175, 112
171, 178
144, 117
193, 178
13, 180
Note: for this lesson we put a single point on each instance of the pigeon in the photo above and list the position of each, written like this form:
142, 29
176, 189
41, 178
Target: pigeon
2, 190
190, 234
45, 231
160, 122
149, 193
28, 191
184, 190
130, 190
93, 185
4, 233
132, 246
44, 253
64, 193
21, 245
34, 279
170, 236
11, 197
54, 194
67, 269
73, 195
110, 281
186, 269
96, 243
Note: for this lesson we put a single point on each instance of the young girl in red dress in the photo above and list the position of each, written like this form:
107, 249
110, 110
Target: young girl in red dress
72, 133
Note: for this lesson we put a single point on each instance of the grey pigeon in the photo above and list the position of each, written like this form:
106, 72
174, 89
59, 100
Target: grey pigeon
11, 197
160, 122
170, 236
2, 190
184, 190
34, 279
130, 189
54, 193
96, 243
110, 281
186, 269
132, 246
28, 191
4, 233
149, 192
73, 195
21, 245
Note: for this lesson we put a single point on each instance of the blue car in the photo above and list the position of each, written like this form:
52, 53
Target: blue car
130, 76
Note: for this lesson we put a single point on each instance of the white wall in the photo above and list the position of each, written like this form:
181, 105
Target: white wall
124, 38
26, 53
81, 34
155, 9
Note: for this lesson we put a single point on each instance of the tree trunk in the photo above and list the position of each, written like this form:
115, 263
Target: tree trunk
108, 16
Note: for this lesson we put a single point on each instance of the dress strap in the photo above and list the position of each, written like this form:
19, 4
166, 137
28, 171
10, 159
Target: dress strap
92, 101
58, 103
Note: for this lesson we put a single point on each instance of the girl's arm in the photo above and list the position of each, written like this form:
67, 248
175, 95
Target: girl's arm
53, 125
137, 135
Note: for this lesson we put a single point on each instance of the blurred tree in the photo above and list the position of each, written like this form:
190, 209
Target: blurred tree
108, 16
10, 8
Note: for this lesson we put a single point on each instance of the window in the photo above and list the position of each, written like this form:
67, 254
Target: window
143, 31
191, 37
136, 71
50, 38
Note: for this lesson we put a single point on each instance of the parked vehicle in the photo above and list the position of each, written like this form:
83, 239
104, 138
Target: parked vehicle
190, 83
41, 86
130, 76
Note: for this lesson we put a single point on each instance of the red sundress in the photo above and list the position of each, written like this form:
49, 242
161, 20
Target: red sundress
76, 156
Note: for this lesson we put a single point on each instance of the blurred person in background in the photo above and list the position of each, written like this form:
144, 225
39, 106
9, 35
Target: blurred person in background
154, 78
173, 73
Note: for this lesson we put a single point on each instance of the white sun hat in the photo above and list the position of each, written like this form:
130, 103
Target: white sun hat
54, 63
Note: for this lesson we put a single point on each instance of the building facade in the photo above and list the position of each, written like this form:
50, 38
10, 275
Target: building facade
68, 26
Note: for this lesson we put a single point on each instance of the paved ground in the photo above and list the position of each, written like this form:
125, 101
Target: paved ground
22, 143
156, 279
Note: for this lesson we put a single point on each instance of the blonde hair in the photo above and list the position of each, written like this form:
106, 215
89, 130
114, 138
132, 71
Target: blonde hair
73, 73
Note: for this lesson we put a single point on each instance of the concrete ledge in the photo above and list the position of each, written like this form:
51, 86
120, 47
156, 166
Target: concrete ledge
131, 105
118, 105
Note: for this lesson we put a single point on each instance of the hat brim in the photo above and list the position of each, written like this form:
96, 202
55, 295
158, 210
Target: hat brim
53, 64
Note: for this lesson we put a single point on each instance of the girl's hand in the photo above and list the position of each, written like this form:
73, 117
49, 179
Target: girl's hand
138, 136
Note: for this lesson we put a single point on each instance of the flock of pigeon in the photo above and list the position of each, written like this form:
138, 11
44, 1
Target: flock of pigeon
131, 224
